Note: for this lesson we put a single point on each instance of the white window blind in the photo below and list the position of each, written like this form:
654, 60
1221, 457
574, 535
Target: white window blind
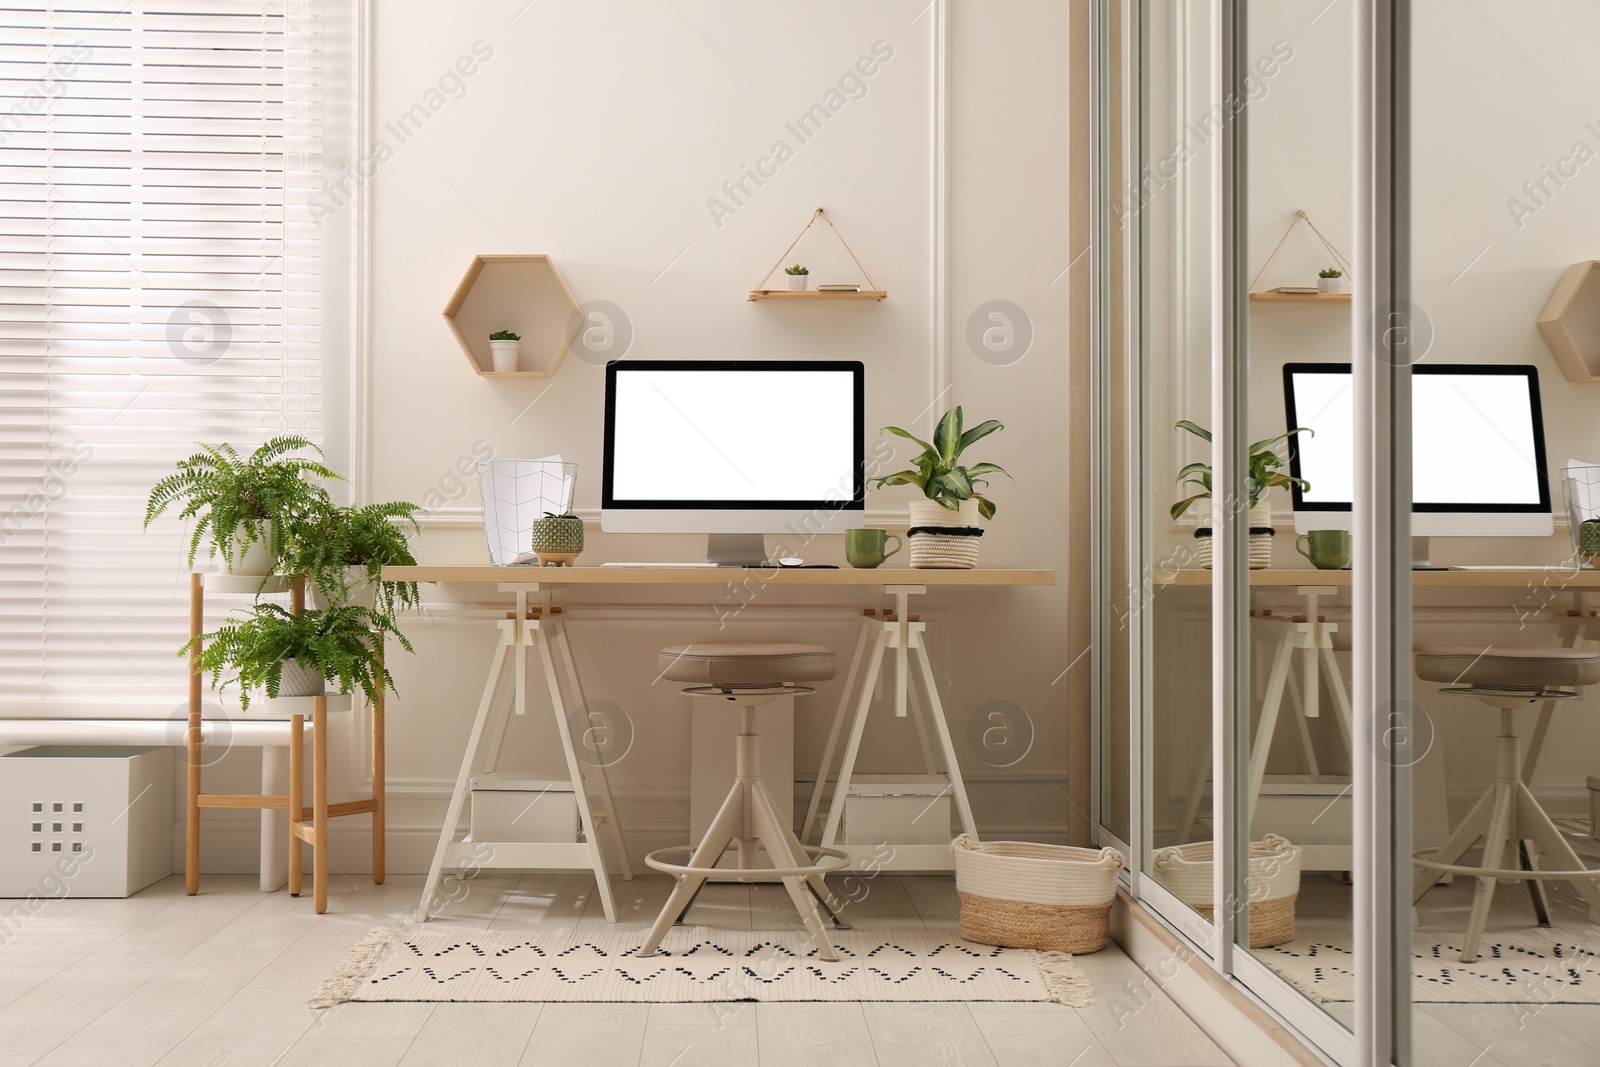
159, 286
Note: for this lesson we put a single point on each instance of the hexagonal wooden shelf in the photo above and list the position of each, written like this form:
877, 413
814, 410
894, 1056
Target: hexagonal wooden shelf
524, 294
1570, 322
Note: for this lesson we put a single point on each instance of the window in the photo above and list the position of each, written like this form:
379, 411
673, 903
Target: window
161, 280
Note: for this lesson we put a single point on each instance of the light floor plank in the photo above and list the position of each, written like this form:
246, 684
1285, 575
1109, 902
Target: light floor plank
473, 1035
588, 1035
1137, 1022
914, 1035
802, 1035
698, 1046
1042, 1039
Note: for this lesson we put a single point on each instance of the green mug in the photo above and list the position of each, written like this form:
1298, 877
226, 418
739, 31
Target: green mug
1328, 550
865, 547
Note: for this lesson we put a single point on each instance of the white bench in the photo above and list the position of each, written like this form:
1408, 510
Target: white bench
269, 735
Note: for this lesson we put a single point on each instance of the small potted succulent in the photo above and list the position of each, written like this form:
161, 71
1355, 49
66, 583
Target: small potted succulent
1330, 280
342, 552
244, 507
1265, 473
269, 650
557, 539
798, 277
944, 527
505, 348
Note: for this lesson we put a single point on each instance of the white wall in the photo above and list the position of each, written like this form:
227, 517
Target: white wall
596, 134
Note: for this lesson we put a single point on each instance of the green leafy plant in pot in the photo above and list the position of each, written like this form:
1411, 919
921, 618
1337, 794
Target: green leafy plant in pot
342, 552
797, 276
1265, 473
944, 528
273, 651
505, 350
243, 507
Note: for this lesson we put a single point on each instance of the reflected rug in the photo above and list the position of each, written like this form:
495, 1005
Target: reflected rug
694, 965
1531, 966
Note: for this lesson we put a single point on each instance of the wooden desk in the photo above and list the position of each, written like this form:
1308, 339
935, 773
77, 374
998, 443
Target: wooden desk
1551, 577
538, 625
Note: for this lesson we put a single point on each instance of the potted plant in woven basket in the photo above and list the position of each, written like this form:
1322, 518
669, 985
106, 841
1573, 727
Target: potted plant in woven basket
1265, 472
944, 528
1271, 886
243, 507
269, 650
1017, 894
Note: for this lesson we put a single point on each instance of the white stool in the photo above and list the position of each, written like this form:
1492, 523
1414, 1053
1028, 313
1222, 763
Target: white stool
749, 675
1507, 814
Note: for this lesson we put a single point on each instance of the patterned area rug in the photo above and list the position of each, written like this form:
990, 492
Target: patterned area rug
1531, 966
694, 965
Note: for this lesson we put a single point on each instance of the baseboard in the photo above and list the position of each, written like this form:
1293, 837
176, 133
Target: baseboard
1240, 1025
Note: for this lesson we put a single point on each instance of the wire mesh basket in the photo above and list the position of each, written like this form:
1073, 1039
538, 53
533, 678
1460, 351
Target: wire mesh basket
515, 492
1582, 487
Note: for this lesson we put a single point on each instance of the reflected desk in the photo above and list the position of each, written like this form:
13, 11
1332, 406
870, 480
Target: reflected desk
537, 627
1306, 629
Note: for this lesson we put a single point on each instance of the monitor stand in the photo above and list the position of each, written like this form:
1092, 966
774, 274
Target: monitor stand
1419, 556
736, 550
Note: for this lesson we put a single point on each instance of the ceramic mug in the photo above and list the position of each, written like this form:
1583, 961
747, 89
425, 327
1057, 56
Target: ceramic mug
865, 547
1328, 550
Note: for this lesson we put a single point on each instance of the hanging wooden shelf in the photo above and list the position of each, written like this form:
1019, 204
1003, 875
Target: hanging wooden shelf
813, 294
869, 292
1570, 322
1272, 296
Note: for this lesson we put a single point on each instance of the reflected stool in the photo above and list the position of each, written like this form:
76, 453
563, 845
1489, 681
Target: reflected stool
749, 675
1507, 814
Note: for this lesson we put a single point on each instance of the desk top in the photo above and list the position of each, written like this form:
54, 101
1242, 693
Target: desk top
1553, 577
846, 576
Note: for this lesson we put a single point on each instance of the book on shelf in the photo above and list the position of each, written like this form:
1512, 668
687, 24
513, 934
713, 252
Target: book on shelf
851, 287
1295, 290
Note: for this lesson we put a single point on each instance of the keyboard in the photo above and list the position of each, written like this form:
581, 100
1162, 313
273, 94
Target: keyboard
654, 563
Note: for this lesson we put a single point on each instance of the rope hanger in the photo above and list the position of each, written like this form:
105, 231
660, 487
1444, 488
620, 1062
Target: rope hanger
823, 215
1299, 217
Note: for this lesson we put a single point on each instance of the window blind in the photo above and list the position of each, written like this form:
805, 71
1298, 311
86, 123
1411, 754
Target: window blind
159, 286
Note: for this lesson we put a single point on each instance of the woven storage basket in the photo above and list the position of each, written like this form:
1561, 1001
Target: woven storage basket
1021, 895
940, 551
1273, 884
1260, 547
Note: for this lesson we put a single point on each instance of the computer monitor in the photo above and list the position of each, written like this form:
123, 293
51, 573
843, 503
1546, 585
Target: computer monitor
1477, 449
734, 449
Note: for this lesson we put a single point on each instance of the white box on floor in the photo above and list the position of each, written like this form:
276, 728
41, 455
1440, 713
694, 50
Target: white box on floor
897, 809
84, 820
509, 806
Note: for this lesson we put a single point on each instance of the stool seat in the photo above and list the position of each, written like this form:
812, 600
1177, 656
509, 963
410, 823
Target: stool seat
745, 663
1508, 665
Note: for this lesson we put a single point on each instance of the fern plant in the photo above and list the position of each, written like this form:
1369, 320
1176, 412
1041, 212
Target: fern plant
329, 540
340, 644
237, 502
938, 471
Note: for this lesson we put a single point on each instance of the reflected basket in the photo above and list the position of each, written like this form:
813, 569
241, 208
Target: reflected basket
515, 493
1582, 488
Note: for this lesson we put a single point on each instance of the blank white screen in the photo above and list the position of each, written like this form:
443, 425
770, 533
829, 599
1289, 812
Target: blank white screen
1472, 439
745, 435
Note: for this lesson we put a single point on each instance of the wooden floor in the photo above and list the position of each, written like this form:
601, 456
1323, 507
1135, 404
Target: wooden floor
223, 978
1484, 1035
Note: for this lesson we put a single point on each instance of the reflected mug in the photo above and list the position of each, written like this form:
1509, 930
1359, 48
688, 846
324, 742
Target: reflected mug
865, 547
1328, 550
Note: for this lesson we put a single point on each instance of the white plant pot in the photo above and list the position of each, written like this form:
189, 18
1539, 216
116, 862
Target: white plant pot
1330, 285
299, 681
254, 559
944, 551
505, 354
363, 593
797, 281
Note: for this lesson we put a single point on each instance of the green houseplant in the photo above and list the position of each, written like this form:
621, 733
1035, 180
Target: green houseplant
342, 552
1265, 472
1330, 280
798, 276
272, 650
238, 503
505, 349
952, 502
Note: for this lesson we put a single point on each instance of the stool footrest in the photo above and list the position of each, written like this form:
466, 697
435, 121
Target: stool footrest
823, 861
1504, 874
